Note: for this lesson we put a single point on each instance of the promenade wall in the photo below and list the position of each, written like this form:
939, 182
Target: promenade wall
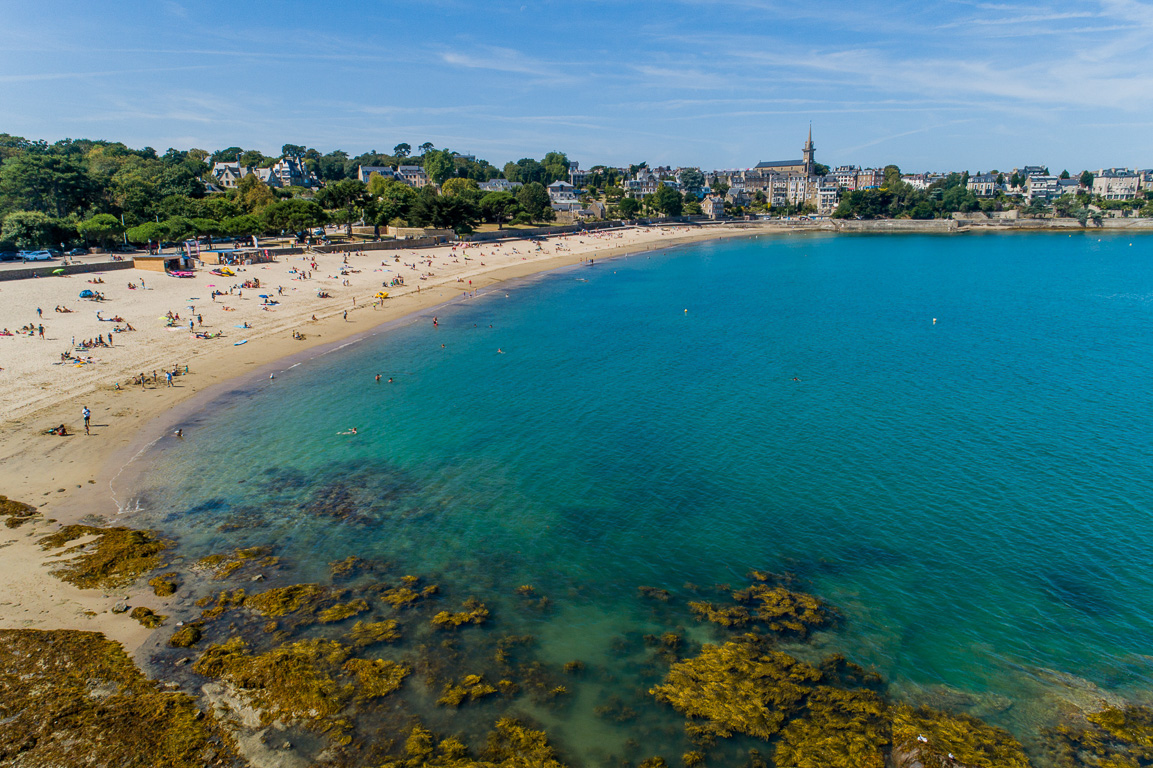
25, 272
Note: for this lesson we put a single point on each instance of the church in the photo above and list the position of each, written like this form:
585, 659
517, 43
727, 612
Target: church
802, 167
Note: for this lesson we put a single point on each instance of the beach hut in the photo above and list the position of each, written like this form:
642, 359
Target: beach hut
156, 262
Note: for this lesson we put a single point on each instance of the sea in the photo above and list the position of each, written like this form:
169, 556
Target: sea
948, 438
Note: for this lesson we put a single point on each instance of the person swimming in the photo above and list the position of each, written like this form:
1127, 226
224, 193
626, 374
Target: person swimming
349, 431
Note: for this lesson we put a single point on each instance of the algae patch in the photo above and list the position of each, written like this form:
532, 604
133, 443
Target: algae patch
75, 699
116, 558
17, 512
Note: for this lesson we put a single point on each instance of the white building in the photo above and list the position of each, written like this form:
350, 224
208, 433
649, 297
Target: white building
413, 175
1116, 184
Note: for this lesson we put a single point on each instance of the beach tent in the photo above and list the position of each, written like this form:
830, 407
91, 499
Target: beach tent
87, 294
381, 295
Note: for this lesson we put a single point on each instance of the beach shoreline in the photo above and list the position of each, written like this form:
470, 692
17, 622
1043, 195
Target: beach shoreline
71, 479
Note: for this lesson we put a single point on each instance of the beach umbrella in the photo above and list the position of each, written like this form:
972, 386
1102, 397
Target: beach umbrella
58, 271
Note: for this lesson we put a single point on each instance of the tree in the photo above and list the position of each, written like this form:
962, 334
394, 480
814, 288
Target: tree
402, 150
252, 194
348, 196
692, 180
534, 198
28, 229
392, 202
1086, 179
892, 176
668, 201
294, 151
49, 183
555, 167
499, 207
242, 226
295, 215
1065, 174
458, 185
820, 169
101, 228
444, 212
439, 166
426, 147
147, 232
721, 189
629, 207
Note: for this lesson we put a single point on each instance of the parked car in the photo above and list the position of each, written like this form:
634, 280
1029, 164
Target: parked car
9, 255
37, 255
78, 252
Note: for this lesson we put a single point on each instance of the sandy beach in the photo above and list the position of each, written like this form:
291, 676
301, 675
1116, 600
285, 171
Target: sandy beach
68, 477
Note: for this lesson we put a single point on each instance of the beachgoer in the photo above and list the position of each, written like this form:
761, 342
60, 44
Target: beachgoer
39, 312
179, 433
389, 379
87, 419
378, 378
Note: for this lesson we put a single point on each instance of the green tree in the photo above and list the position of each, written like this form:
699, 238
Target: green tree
892, 176
720, 189
668, 201
439, 166
294, 151
458, 185
29, 229
555, 167
692, 180
820, 169
348, 196
49, 183
101, 227
1064, 174
295, 215
499, 207
629, 207
1086, 179
148, 232
444, 212
534, 198
426, 147
402, 150
245, 225
253, 195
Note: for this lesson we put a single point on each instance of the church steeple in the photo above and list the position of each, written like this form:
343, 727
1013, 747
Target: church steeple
808, 153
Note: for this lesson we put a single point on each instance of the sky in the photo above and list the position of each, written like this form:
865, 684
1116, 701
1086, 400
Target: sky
711, 83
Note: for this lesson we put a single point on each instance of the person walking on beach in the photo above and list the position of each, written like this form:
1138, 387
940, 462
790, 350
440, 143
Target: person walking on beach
168, 377
39, 312
41, 330
87, 419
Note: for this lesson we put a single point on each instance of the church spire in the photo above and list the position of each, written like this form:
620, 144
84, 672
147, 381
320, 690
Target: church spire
810, 166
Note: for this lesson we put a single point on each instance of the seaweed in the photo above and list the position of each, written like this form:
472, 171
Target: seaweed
164, 585
784, 611
739, 687
509, 745
17, 512
471, 687
838, 729
929, 737
147, 617
616, 710
1115, 737
310, 681
342, 611
474, 613
375, 678
186, 636
222, 566
282, 601
350, 567
407, 595
363, 635
652, 593
116, 558
731, 616
72, 698
221, 602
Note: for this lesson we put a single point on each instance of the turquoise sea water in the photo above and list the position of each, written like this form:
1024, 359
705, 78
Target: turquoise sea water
975, 495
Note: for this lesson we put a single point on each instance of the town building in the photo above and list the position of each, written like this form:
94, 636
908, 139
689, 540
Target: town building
499, 185
1116, 184
984, 184
713, 207
365, 171
413, 175
1043, 187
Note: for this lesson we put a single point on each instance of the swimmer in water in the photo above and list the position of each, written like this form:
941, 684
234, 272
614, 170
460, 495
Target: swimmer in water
378, 378
349, 431
499, 351
179, 433
389, 379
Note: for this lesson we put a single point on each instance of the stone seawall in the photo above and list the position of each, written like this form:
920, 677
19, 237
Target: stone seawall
71, 269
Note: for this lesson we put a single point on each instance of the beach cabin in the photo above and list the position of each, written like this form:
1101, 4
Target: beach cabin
164, 262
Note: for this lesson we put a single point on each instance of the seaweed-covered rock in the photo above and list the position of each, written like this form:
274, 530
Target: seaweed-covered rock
474, 613
1114, 737
50, 715
375, 678
929, 737
147, 617
342, 611
115, 558
224, 565
409, 593
186, 636
282, 601
653, 593
164, 585
365, 634
471, 687
784, 611
738, 687
510, 745
837, 729
215, 605
16, 512
733, 616
311, 681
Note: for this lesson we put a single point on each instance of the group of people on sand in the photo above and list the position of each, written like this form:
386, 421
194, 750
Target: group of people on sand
87, 344
64, 310
26, 330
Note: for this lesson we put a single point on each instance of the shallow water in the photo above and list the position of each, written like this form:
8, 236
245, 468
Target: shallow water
974, 494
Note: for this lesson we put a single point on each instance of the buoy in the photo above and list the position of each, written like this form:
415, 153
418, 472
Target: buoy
686, 311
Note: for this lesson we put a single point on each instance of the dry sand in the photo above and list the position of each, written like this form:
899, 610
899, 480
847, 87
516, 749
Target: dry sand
68, 477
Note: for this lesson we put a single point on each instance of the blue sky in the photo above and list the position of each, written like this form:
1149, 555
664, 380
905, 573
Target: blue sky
715, 83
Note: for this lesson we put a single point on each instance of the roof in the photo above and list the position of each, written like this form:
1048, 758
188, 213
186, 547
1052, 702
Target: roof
779, 163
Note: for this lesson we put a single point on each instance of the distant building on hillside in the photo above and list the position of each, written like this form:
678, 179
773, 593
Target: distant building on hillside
713, 207
984, 184
365, 171
413, 175
1043, 187
805, 166
499, 185
576, 176
287, 172
1116, 184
